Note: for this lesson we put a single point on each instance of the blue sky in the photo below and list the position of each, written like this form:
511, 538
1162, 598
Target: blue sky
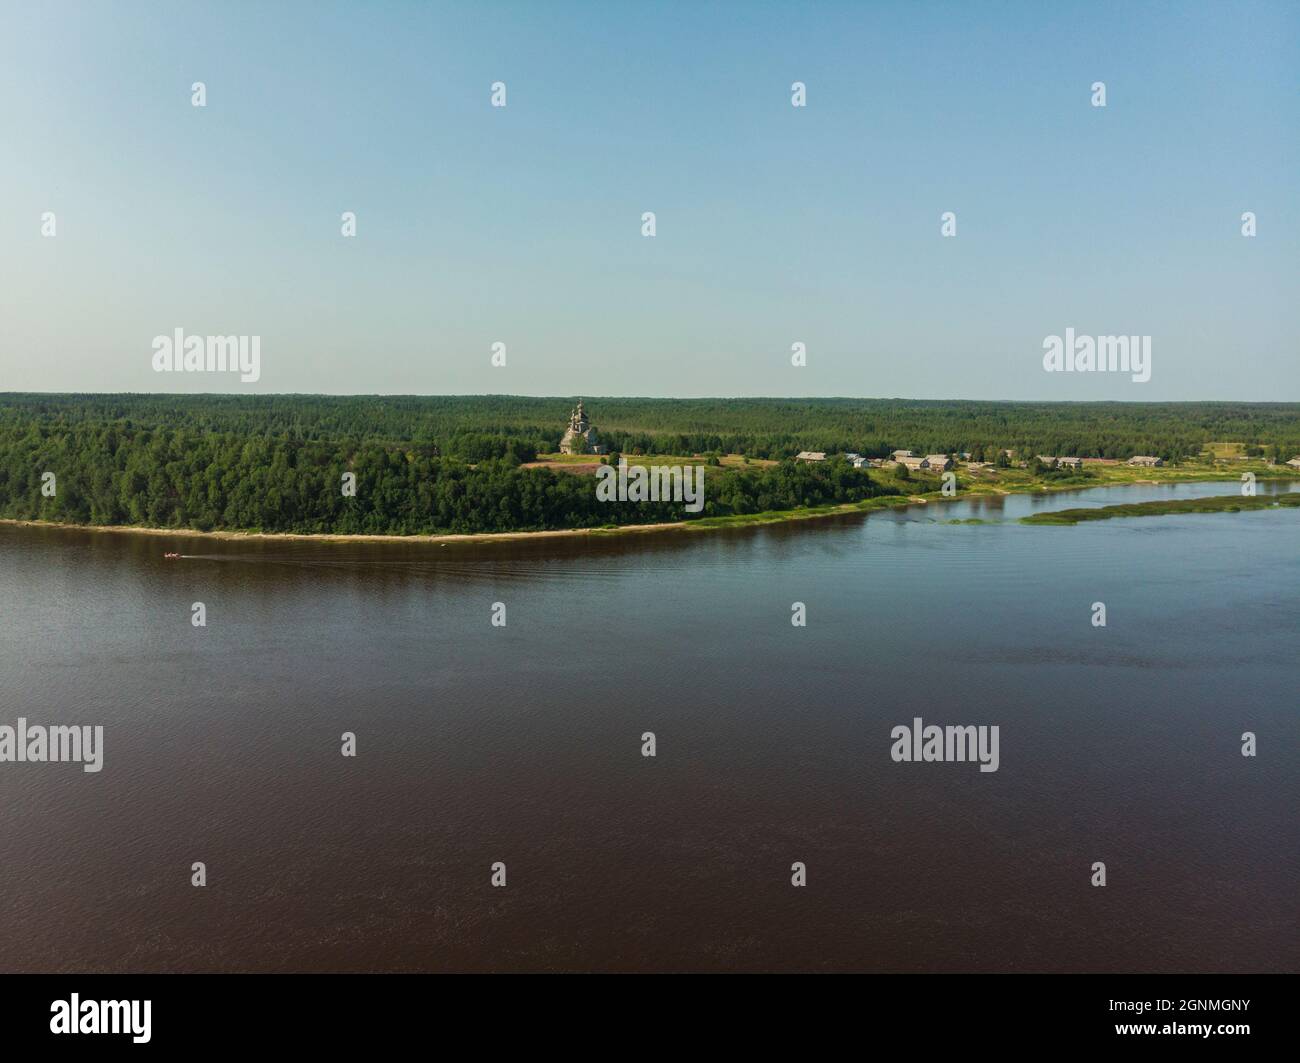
775, 224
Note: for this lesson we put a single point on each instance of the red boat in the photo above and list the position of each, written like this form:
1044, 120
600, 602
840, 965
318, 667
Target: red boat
171, 557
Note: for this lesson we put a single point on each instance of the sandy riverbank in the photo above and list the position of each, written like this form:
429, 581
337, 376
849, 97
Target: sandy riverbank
327, 537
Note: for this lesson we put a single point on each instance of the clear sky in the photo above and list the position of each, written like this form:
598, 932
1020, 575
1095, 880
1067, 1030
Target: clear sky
775, 224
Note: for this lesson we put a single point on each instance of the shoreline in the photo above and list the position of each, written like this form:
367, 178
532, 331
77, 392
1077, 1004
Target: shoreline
234, 536
699, 525
1165, 508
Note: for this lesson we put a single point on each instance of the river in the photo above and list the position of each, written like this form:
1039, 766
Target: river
523, 744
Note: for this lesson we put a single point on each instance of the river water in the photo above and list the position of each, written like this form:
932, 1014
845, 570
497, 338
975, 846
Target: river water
523, 744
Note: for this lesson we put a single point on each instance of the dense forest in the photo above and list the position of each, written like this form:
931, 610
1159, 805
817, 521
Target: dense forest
157, 469
473, 427
451, 464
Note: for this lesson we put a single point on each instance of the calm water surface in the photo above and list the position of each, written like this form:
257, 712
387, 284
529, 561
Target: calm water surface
522, 744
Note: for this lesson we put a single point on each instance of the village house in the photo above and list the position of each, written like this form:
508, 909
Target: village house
913, 463
810, 455
1147, 460
899, 455
1294, 463
938, 462
859, 462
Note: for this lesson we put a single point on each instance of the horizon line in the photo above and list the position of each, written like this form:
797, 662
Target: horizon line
638, 398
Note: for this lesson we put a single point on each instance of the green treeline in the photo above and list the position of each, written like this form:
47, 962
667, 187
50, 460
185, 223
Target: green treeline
475, 428
115, 473
428, 465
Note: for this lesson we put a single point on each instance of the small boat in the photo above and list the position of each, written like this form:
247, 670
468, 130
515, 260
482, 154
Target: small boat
171, 556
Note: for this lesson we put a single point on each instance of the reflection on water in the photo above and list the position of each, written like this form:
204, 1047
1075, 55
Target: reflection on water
522, 744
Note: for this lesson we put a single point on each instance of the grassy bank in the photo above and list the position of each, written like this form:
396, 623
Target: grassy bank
1216, 504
